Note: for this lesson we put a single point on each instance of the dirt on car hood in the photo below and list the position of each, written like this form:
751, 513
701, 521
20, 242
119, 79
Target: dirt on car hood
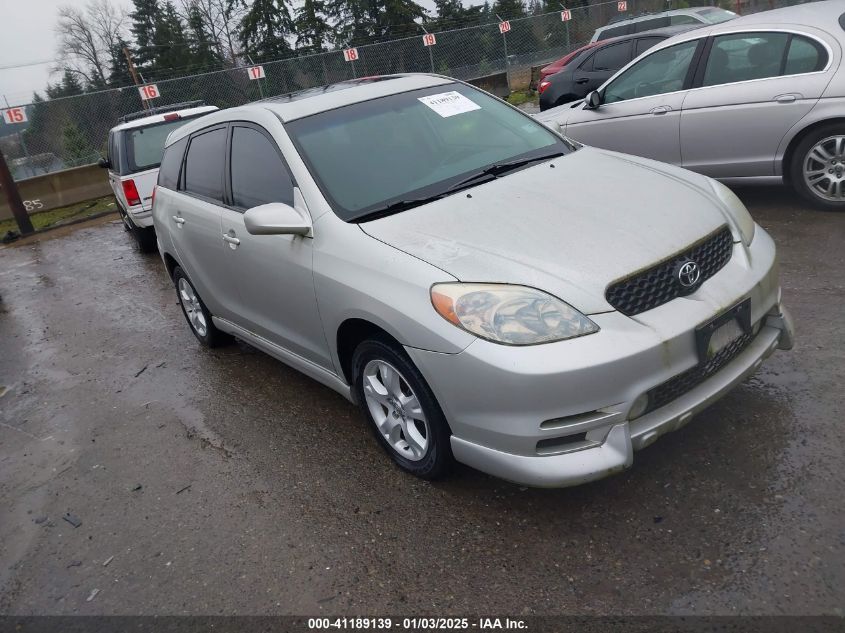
569, 226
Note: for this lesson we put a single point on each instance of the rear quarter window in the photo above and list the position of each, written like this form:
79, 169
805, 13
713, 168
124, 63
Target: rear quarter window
654, 23
615, 31
171, 164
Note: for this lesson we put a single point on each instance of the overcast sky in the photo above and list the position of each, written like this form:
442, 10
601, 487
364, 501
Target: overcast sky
27, 35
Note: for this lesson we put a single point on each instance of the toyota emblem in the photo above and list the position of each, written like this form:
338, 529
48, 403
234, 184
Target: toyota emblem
688, 274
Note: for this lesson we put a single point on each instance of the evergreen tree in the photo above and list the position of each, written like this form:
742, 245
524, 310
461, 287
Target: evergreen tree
171, 49
263, 30
452, 14
509, 9
203, 47
145, 18
77, 149
119, 74
366, 20
311, 28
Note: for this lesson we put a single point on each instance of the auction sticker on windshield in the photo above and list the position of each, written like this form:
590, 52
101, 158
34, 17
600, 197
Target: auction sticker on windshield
448, 104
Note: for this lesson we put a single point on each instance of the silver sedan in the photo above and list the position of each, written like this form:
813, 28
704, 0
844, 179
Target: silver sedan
759, 99
466, 275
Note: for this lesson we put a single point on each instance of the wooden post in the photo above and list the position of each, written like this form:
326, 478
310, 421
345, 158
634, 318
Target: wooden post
13, 197
144, 103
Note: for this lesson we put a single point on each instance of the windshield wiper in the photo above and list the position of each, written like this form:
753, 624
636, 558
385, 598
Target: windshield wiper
489, 173
396, 207
497, 169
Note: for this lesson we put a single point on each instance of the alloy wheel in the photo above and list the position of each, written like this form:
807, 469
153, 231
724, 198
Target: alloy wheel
824, 168
396, 410
193, 307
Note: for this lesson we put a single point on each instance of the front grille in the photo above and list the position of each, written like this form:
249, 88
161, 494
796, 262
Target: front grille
677, 386
657, 285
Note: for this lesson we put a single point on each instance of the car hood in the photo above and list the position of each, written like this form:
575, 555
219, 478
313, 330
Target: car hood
571, 229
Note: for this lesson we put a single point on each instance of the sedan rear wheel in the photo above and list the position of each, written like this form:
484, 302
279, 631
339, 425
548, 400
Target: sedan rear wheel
818, 169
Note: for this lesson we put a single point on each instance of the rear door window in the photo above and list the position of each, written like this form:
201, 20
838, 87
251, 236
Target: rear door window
612, 57
744, 57
204, 164
259, 174
645, 43
171, 164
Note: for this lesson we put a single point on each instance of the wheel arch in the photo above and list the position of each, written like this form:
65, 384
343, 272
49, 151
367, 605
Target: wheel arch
170, 263
799, 136
351, 333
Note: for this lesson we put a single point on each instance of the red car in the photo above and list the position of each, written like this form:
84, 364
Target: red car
557, 66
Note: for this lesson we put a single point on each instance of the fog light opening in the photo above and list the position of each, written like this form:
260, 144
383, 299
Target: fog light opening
639, 407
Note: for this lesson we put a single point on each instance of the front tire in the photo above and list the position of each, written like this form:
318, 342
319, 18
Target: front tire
817, 169
196, 314
401, 408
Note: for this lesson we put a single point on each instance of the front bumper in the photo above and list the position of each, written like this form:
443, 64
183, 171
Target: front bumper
558, 414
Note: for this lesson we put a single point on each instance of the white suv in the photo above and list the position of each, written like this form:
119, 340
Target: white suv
135, 147
696, 16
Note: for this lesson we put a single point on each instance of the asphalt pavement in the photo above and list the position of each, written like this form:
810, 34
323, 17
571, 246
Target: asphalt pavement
142, 474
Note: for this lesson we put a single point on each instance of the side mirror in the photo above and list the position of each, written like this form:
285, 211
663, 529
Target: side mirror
592, 100
276, 218
104, 163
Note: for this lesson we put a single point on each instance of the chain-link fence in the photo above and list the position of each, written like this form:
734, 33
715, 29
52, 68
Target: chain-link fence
71, 131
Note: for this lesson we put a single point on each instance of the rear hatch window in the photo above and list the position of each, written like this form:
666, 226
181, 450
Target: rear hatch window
145, 145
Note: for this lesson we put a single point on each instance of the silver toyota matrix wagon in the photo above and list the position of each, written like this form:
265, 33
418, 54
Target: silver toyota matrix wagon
487, 290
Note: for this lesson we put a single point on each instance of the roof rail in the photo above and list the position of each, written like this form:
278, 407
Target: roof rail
160, 109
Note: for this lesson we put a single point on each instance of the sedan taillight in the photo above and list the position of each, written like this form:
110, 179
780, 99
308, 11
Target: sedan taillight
131, 193
543, 85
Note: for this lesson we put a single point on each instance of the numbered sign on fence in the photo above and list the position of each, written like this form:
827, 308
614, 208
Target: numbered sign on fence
350, 54
566, 15
14, 115
622, 5
150, 91
255, 72
429, 39
504, 27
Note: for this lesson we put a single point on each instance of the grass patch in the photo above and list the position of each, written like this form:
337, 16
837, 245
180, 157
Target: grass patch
55, 217
519, 97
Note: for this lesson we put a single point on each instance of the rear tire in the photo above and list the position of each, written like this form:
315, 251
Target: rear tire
402, 410
817, 169
127, 224
145, 238
196, 314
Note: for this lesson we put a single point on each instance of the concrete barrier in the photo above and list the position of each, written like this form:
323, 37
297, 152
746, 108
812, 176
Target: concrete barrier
60, 188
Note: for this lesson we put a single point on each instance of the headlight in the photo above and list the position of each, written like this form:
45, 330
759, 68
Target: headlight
743, 219
511, 315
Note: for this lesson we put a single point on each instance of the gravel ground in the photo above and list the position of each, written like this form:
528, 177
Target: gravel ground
211, 482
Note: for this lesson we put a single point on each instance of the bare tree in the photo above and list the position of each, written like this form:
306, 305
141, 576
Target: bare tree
220, 19
87, 39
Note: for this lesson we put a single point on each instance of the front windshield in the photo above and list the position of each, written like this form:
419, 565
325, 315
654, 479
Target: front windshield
414, 144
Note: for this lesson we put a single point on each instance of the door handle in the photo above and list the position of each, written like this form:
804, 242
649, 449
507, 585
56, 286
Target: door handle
660, 110
233, 241
785, 98
178, 219
582, 80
